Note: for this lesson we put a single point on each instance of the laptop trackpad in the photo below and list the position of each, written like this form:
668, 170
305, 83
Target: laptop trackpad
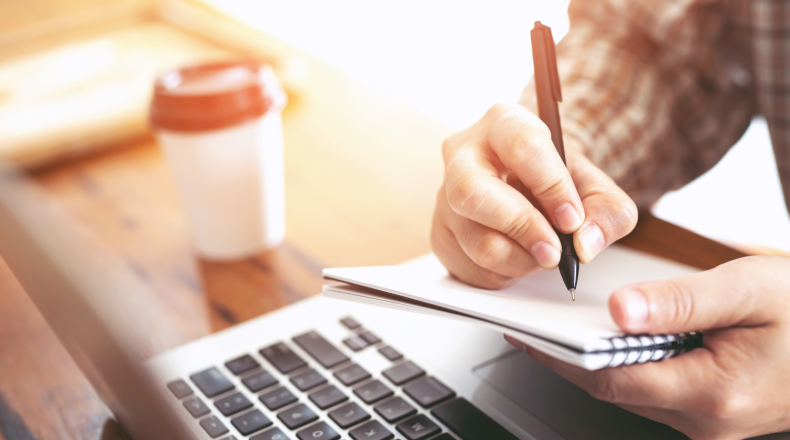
564, 407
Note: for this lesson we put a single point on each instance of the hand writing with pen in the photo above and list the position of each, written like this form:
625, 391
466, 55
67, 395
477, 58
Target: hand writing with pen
490, 232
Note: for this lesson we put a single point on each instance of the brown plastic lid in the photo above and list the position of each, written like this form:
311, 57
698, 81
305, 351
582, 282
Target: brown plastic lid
214, 96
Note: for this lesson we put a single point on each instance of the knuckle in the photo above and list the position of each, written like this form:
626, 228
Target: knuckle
678, 303
446, 145
629, 215
465, 195
519, 121
490, 251
436, 240
437, 233
442, 214
728, 404
526, 145
515, 112
519, 227
604, 388
555, 186
497, 110
490, 280
441, 195
531, 148
441, 237
449, 146
622, 214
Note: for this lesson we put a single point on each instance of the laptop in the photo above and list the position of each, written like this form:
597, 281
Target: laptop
319, 369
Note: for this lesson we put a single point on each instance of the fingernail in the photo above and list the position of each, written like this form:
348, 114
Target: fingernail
545, 254
591, 239
568, 220
635, 307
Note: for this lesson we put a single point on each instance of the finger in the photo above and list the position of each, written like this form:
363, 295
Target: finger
609, 213
449, 252
523, 144
493, 250
476, 191
670, 384
743, 292
486, 247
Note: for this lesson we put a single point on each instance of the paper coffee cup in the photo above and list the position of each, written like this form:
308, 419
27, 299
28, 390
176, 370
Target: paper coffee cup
219, 126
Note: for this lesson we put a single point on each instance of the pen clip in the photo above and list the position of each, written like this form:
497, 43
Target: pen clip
551, 60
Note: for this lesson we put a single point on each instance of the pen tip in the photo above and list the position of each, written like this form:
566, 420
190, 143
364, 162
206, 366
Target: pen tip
573, 295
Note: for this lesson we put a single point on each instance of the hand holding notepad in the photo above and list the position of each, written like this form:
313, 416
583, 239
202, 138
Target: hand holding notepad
580, 333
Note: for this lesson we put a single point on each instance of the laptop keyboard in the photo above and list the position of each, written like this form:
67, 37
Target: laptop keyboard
357, 407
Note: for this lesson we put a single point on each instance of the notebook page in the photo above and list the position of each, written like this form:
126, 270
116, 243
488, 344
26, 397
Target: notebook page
362, 295
537, 305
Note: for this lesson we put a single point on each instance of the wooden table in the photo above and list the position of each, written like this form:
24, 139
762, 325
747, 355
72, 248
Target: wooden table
362, 170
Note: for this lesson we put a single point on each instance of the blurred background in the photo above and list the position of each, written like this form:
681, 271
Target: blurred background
450, 60
454, 60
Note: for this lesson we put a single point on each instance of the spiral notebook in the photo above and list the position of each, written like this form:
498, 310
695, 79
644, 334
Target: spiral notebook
537, 310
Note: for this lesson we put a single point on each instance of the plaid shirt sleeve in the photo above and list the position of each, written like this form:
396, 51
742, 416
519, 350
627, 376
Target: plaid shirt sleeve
648, 96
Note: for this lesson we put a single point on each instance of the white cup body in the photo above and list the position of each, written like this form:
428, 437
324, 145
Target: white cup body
232, 185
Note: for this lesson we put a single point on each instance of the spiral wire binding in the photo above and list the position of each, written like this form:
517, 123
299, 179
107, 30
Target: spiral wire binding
638, 349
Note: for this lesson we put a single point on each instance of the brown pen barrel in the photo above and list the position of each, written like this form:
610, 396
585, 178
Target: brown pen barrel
547, 85
547, 89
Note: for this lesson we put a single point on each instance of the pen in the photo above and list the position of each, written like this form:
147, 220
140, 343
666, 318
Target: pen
547, 88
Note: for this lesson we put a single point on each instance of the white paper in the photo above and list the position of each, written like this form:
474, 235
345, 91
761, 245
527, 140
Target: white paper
538, 305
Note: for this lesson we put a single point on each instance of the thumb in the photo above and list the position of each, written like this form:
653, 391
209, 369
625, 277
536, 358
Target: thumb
735, 293
610, 213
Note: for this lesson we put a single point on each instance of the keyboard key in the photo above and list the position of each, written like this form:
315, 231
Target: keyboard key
319, 431
372, 430
297, 416
370, 338
251, 422
390, 353
213, 427
352, 374
320, 349
258, 381
444, 436
428, 391
277, 399
327, 397
469, 423
211, 382
230, 437
350, 323
348, 415
241, 364
356, 343
272, 434
308, 379
179, 388
418, 427
395, 409
402, 373
196, 407
372, 392
283, 359
232, 404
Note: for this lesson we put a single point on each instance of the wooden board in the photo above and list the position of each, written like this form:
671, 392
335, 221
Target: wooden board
83, 83
89, 94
